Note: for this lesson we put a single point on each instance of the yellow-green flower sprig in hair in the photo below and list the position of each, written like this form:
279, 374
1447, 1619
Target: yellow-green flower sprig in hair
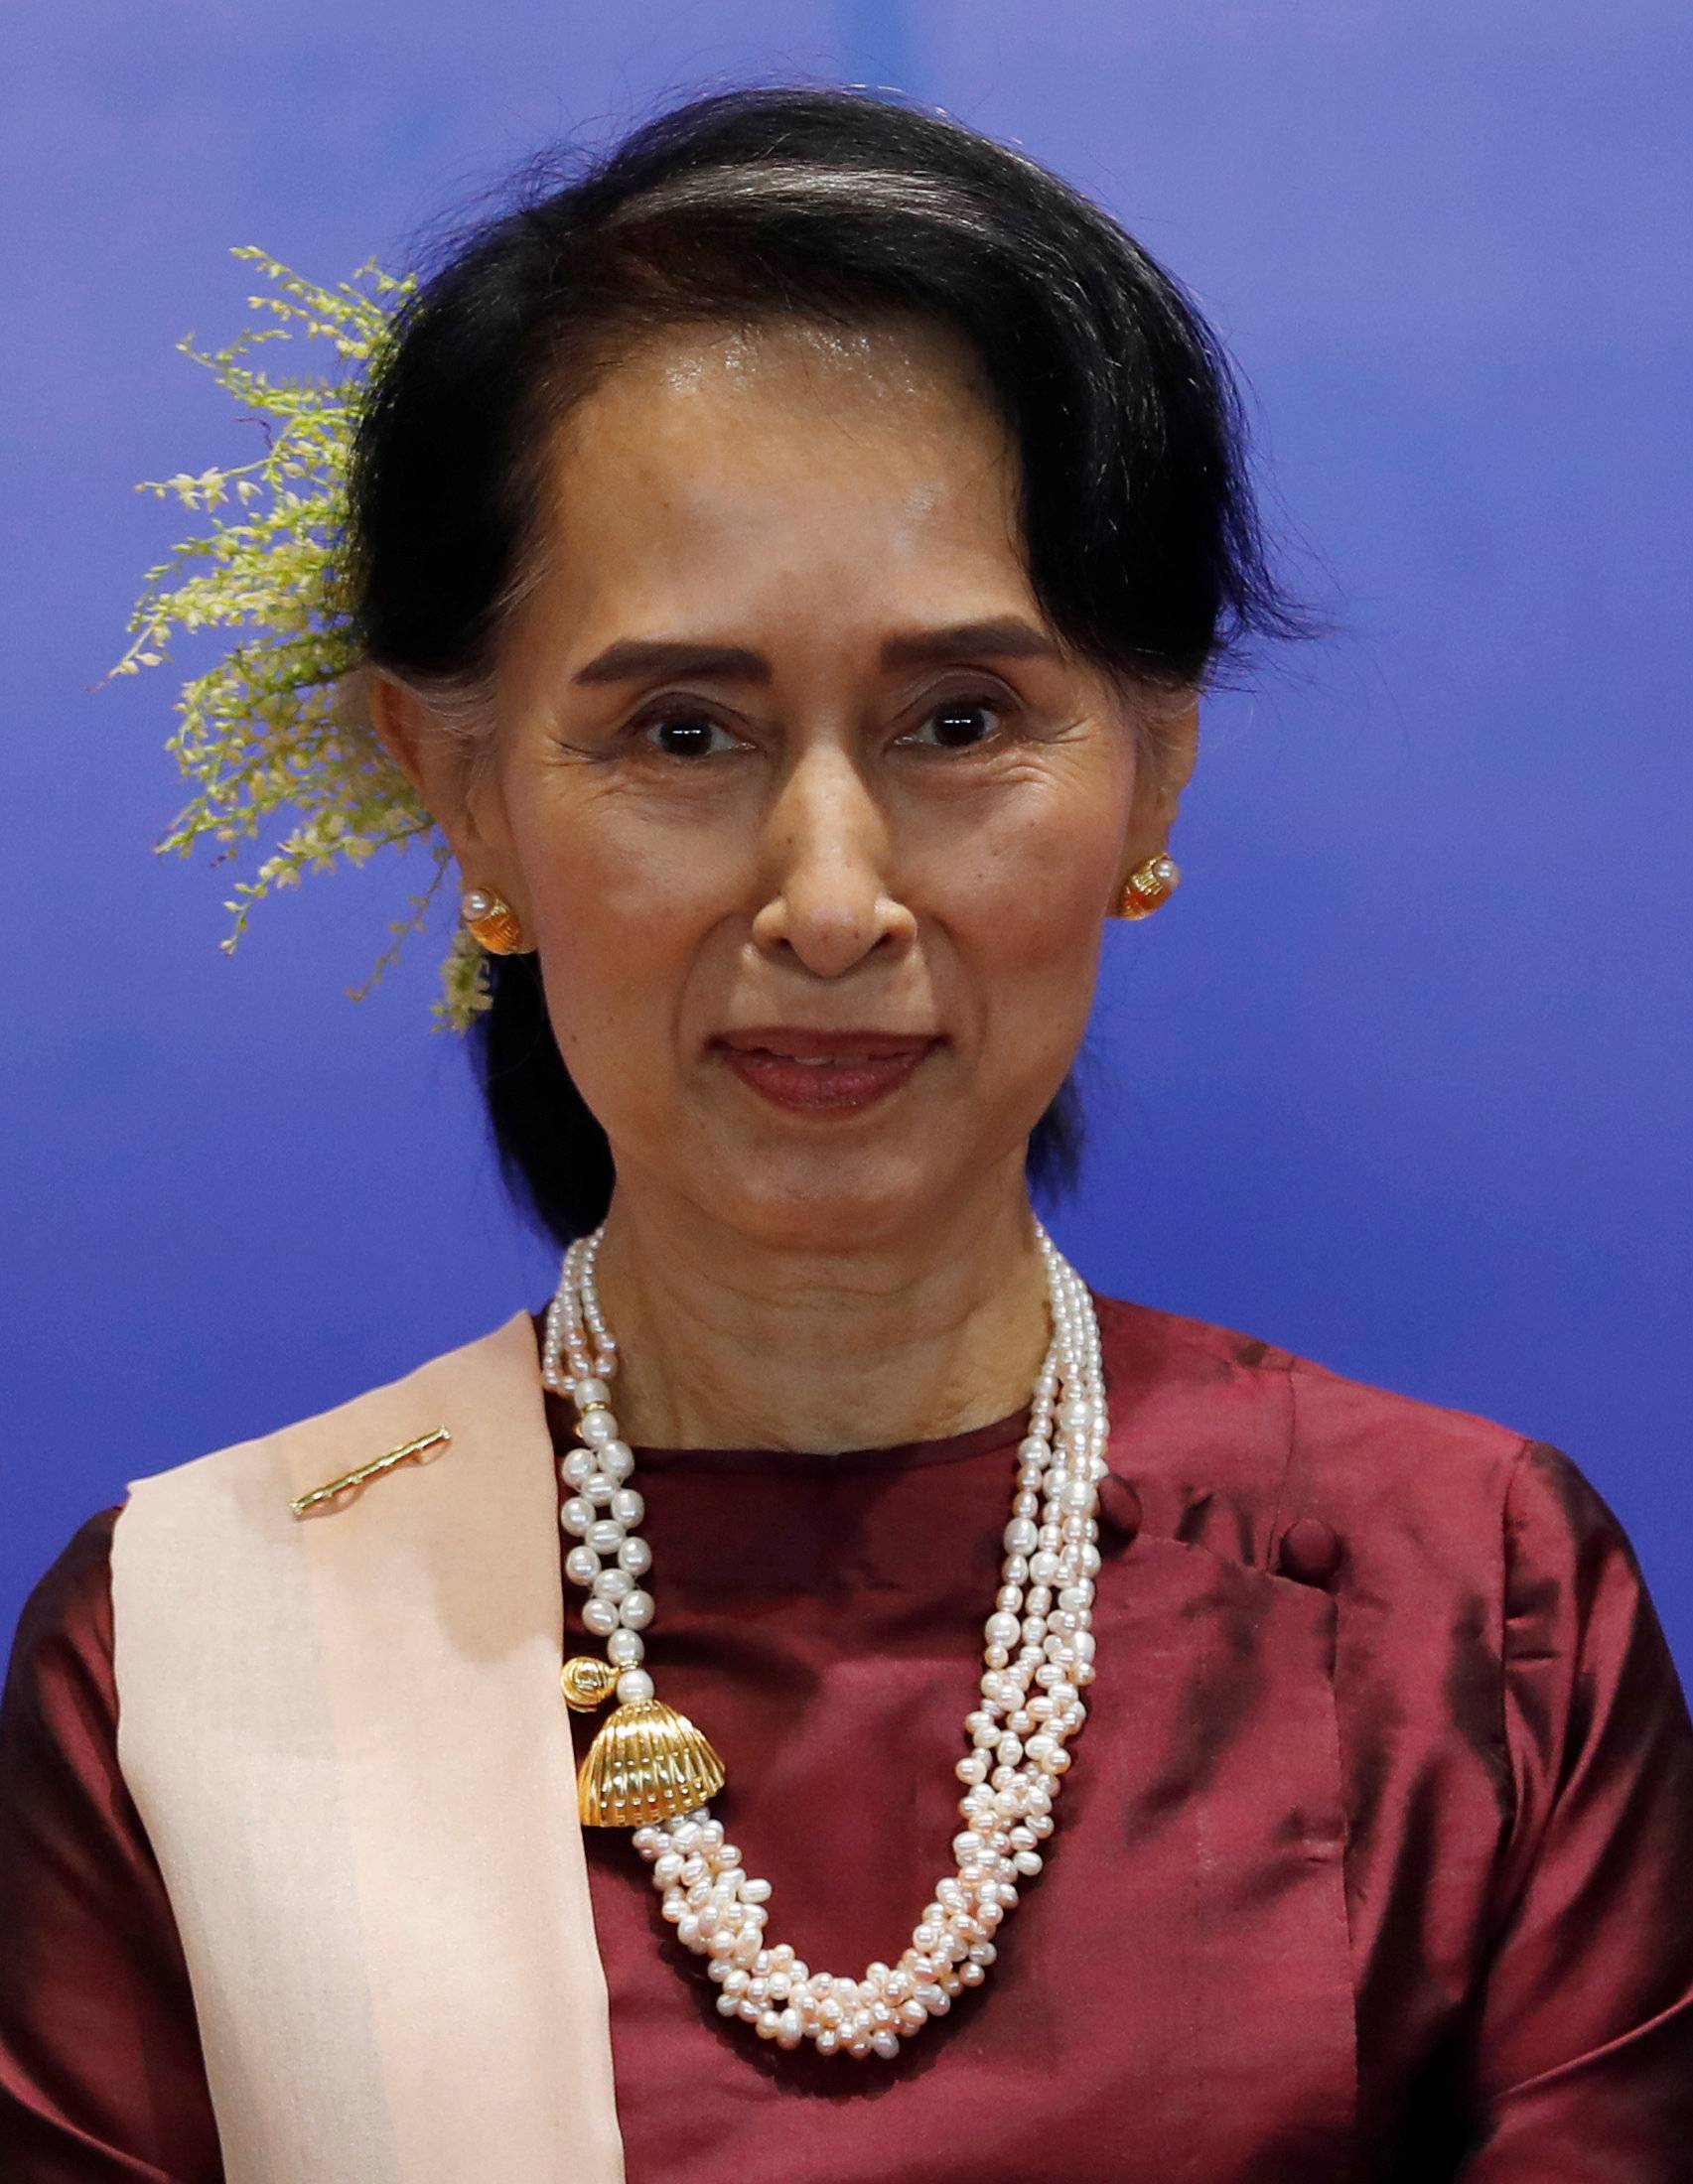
275, 727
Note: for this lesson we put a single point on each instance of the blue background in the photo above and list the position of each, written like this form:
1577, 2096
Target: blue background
1400, 1080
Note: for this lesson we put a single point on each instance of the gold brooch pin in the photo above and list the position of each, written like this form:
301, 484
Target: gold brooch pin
323, 1499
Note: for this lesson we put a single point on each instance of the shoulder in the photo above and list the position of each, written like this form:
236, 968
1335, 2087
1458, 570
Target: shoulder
1408, 1486
58, 1680
294, 1457
1458, 1546
1149, 1345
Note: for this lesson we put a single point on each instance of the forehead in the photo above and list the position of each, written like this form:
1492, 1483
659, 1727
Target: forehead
715, 466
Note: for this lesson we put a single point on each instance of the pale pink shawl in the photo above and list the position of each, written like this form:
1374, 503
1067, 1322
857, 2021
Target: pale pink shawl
346, 1737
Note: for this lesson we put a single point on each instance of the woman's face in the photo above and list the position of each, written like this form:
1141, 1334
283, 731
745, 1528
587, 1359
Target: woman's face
813, 823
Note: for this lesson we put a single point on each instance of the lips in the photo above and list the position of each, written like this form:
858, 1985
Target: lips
795, 1044
833, 1073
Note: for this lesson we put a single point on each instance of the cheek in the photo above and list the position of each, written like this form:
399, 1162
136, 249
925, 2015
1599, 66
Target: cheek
620, 919
1032, 909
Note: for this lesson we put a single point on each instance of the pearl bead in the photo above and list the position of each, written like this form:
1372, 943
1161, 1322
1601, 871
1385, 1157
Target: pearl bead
633, 1683
1002, 1630
605, 1536
613, 1586
577, 1466
616, 1460
634, 1555
596, 1427
636, 1609
582, 1566
576, 1515
590, 1391
628, 1505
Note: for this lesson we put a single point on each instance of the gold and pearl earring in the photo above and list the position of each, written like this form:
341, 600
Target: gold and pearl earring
493, 921
1149, 887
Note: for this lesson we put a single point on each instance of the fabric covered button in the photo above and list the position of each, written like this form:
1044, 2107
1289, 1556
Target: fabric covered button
1119, 1510
1309, 1552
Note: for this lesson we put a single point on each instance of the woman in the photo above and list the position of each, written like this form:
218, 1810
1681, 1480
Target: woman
789, 560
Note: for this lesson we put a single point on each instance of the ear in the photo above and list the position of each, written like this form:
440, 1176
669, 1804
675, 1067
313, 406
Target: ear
433, 763
1169, 746
1178, 745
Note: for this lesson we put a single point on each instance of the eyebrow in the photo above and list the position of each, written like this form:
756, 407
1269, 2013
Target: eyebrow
633, 659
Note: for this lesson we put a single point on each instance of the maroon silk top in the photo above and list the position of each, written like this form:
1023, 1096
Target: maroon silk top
1375, 1861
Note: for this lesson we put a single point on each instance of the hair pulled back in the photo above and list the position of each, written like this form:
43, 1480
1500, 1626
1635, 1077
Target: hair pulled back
1138, 528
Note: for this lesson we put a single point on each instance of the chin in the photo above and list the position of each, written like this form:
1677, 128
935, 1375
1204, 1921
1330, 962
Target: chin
827, 1198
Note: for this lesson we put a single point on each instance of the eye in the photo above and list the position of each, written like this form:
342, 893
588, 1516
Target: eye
685, 735
959, 724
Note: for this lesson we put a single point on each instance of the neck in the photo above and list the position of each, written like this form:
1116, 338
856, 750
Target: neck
729, 1341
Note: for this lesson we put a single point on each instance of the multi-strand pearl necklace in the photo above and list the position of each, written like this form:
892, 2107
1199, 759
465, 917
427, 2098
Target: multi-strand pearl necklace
1037, 1658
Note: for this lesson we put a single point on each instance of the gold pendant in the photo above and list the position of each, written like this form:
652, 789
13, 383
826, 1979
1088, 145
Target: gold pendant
648, 1763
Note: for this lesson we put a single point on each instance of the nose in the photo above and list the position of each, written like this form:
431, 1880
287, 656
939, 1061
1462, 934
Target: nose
827, 848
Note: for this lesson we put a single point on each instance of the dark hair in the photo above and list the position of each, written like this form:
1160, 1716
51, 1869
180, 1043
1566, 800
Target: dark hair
1142, 541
